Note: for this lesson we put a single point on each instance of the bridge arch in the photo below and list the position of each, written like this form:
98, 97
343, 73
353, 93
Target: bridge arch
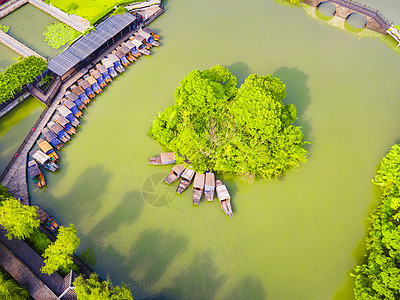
356, 20
326, 8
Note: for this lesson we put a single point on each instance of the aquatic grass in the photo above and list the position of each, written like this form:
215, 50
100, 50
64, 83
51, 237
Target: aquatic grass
58, 34
4, 28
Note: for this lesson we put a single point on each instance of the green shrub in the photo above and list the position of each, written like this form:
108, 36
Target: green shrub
10, 289
58, 34
120, 10
39, 241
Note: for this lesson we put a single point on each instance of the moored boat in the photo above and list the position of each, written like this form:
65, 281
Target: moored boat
44, 160
51, 137
124, 60
142, 40
63, 122
48, 221
140, 46
48, 149
93, 83
110, 67
80, 93
59, 131
148, 38
103, 70
116, 62
176, 172
36, 175
224, 198
150, 31
74, 98
209, 186
86, 87
186, 180
65, 112
72, 107
99, 77
163, 159
198, 187
127, 52
133, 48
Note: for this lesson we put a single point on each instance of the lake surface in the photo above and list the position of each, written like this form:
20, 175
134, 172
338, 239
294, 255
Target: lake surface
27, 25
294, 238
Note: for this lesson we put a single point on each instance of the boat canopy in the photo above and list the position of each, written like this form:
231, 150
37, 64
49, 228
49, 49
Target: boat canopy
188, 174
210, 181
144, 34
129, 44
84, 84
61, 120
77, 89
125, 49
137, 43
199, 180
50, 135
66, 113
107, 63
147, 30
101, 68
91, 80
44, 146
96, 74
42, 215
223, 193
70, 105
55, 127
139, 38
168, 158
119, 54
71, 96
33, 169
178, 169
40, 157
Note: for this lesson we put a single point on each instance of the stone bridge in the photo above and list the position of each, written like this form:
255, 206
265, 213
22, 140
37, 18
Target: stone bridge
344, 8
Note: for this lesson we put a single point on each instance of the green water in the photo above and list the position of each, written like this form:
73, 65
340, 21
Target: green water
14, 127
27, 25
294, 238
6, 57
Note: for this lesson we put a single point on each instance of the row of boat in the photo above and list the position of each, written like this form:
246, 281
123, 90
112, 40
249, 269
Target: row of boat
65, 120
202, 183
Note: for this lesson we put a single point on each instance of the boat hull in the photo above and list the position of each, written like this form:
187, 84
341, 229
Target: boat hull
183, 185
197, 194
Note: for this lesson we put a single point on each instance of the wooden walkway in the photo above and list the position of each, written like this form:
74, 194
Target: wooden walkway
17, 46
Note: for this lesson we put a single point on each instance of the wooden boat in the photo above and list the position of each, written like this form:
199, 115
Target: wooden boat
224, 198
198, 187
124, 60
140, 46
72, 107
65, 112
103, 70
48, 221
148, 30
186, 180
80, 93
36, 175
93, 83
74, 98
44, 160
127, 52
110, 67
63, 122
48, 149
176, 172
86, 87
163, 159
133, 48
59, 131
51, 137
99, 77
142, 40
148, 38
209, 186
116, 62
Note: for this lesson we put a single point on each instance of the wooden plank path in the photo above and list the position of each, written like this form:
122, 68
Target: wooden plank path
17, 46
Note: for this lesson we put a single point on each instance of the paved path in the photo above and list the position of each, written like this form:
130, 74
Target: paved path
17, 46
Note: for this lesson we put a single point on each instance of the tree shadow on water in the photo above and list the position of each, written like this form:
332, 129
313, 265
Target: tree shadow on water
247, 288
240, 70
298, 94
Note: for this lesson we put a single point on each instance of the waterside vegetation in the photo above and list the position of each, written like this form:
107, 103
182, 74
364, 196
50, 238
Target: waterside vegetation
58, 34
216, 126
10, 289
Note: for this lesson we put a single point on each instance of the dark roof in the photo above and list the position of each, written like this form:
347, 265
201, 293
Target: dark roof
89, 43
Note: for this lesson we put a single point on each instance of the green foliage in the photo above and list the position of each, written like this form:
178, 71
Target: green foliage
217, 126
39, 241
58, 34
120, 10
379, 277
15, 77
94, 289
59, 254
11, 289
89, 29
18, 220
4, 28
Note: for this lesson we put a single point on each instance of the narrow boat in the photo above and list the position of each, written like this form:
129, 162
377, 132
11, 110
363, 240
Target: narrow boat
72, 107
59, 131
103, 70
63, 122
142, 40
86, 87
163, 159
74, 98
224, 198
176, 172
51, 137
48, 149
116, 62
127, 52
44, 160
47, 220
209, 186
99, 77
148, 38
124, 60
36, 175
65, 112
110, 67
80, 93
93, 83
139, 46
198, 187
150, 31
132, 47
185, 181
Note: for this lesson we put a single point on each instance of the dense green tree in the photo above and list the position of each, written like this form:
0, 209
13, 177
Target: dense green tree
18, 220
11, 289
59, 254
94, 289
216, 126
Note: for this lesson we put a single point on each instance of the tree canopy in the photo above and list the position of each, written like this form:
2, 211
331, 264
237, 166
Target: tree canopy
216, 126
11, 289
59, 254
94, 289
379, 276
